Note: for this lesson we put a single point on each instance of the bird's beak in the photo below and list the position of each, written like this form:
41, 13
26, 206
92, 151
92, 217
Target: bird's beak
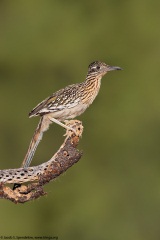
112, 68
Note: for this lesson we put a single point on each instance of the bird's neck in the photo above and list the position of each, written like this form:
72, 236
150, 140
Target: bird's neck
93, 81
92, 85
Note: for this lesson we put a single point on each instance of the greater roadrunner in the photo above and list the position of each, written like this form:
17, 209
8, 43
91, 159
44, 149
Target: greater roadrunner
66, 103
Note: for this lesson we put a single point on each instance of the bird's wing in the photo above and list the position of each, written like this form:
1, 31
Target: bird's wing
64, 98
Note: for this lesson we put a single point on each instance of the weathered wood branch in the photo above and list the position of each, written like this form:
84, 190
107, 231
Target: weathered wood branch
37, 176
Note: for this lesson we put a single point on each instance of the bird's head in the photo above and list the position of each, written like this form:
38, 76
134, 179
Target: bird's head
100, 69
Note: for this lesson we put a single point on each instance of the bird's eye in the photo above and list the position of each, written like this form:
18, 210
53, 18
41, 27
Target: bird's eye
95, 68
98, 67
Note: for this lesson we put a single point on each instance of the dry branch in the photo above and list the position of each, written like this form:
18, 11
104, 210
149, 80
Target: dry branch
37, 176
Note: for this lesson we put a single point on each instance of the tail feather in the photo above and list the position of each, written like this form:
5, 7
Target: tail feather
37, 137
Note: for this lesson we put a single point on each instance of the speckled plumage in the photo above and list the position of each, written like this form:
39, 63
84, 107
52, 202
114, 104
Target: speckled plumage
72, 100
67, 103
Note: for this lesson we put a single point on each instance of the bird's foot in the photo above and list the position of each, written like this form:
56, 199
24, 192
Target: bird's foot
73, 127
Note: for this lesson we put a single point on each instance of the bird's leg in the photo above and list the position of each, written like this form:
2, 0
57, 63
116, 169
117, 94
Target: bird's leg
62, 124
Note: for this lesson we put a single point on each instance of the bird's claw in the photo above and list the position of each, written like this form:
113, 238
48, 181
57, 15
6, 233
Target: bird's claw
73, 127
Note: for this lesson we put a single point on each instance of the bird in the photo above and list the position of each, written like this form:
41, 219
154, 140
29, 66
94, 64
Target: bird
67, 103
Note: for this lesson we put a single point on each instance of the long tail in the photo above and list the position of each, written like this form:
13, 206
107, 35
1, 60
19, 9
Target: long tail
37, 137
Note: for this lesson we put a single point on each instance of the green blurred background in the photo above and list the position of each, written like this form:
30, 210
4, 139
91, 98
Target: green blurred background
113, 193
